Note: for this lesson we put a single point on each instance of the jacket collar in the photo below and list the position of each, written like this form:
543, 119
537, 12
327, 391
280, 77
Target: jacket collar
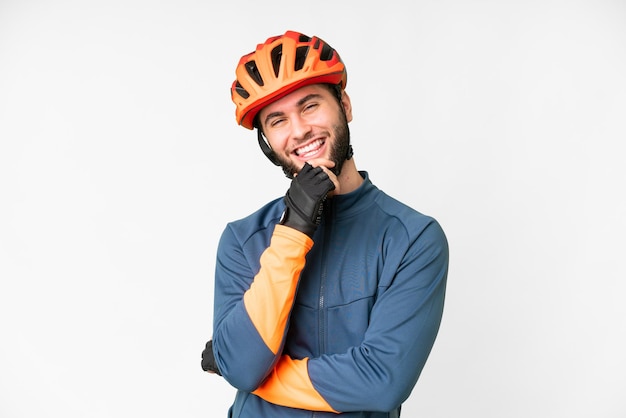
349, 204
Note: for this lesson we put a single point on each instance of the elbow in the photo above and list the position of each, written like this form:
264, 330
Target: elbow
388, 389
242, 376
381, 398
388, 400
243, 365
243, 383
244, 372
381, 393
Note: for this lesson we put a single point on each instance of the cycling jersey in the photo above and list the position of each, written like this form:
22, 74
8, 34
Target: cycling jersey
340, 323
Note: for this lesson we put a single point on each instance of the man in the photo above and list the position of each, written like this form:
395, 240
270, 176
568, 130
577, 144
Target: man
328, 300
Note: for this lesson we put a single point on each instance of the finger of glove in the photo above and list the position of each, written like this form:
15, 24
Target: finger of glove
324, 183
208, 359
314, 181
317, 175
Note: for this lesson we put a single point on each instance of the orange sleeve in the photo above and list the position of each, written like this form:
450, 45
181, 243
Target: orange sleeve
289, 385
270, 297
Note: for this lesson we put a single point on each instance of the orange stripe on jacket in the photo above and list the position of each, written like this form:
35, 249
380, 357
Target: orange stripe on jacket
271, 295
289, 385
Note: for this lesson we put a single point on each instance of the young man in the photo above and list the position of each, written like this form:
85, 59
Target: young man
327, 300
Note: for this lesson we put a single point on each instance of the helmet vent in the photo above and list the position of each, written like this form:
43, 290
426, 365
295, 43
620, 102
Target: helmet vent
304, 38
241, 91
277, 54
327, 53
253, 72
301, 53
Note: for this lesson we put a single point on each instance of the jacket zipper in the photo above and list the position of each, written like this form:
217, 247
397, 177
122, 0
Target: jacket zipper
328, 213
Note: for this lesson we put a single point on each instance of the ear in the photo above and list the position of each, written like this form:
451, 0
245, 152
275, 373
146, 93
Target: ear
347, 105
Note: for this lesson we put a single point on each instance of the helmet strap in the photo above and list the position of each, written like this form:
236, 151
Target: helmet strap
350, 152
265, 147
269, 153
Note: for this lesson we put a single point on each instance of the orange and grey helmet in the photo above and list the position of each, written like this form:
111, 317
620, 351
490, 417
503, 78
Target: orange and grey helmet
278, 67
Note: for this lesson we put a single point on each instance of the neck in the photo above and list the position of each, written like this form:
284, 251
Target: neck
349, 179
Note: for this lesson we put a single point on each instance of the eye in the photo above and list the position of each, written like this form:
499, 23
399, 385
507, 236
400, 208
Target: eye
276, 122
309, 107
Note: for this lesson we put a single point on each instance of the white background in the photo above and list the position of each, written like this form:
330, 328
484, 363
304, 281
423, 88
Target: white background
120, 164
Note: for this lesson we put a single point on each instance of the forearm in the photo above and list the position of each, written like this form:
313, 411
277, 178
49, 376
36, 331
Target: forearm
251, 323
270, 298
289, 385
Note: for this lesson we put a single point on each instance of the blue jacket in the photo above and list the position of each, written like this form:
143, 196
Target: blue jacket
342, 323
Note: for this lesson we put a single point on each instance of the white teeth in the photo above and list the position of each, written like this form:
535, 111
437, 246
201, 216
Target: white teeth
311, 147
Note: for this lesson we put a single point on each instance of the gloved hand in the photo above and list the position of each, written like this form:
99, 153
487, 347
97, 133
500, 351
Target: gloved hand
208, 359
305, 199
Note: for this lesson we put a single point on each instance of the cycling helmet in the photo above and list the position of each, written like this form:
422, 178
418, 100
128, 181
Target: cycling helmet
279, 66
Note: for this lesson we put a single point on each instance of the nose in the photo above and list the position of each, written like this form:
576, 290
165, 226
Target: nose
300, 128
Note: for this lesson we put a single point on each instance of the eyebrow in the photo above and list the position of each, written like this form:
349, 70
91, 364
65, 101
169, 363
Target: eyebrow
298, 104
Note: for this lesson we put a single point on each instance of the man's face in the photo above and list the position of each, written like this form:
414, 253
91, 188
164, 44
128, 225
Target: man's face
307, 124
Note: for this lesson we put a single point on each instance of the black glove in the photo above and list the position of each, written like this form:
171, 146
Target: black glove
208, 359
305, 199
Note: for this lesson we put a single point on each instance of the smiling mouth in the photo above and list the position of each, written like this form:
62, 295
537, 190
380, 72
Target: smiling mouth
309, 149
